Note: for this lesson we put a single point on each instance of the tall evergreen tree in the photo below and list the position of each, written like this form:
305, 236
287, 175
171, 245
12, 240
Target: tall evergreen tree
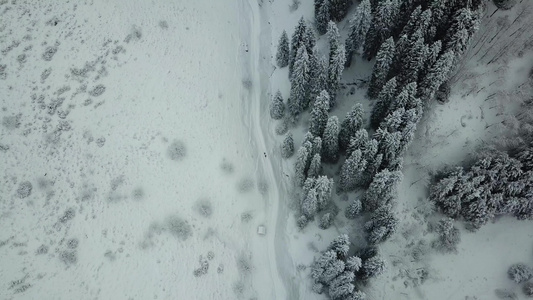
297, 40
277, 108
351, 124
406, 99
300, 167
413, 62
316, 165
282, 56
402, 47
319, 75
319, 114
323, 17
372, 267
412, 24
437, 74
383, 24
299, 83
389, 146
382, 225
310, 204
287, 147
337, 57
359, 25
324, 188
351, 171
330, 141
342, 286
339, 8
382, 190
317, 145
385, 100
431, 58
358, 141
381, 68
317, 5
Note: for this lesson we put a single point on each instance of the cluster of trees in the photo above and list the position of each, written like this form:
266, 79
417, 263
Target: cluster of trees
336, 273
521, 273
499, 182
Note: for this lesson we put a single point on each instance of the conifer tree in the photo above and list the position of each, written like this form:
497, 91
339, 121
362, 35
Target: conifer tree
382, 190
383, 24
351, 124
385, 99
341, 287
413, 62
381, 68
317, 4
319, 75
357, 295
402, 47
287, 148
317, 145
406, 99
358, 141
299, 83
300, 166
310, 204
353, 209
282, 56
353, 263
297, 40
351, 171
337, 57
389, 146
359, 25
372, 267
319, 114
323, 17
330, 141
339, 8
277, 108
413, 21
431, 59
324, 188
316, 165
462, 27
437, 74
382, 225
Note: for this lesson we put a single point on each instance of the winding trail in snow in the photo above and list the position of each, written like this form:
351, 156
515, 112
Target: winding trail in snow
256, 30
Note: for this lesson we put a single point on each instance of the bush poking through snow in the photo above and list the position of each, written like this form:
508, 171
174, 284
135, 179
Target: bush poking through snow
528, 289
204, 267
68, 257
372, 267
204, 208
302, 221
49, 53
178, 227
353, 209
326, 221
24, 189
520, 273
504, 4
448, 236
176, 150
97, 90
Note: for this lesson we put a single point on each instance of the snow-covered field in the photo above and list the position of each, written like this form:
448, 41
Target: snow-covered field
136, 124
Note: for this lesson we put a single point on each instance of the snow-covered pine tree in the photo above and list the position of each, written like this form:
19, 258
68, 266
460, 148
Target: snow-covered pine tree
324, 188
308, 185
342, 287
319, 267
300, 167
389, 146
505, 5
394, 121
317, 146
317, 4
358, 141
310, 204
359, 25
462, 27
337, 57
437, 74
372, 267
413, 21
381, 68
385, 99
340, 245
406, 98
287, 147
373, 166
383, 24
353, 263
431, 59
350, 125
297, 40
351, 171
413, 62
401, 49
323, 17
407, 7
325, 221
339, 8
319, 114
315, 167
319, 75
282, 56
520, 273
277, 108
448, 236
309, 40
357, 295
382, 190
353, 209
382, 225
330, 141
299, 83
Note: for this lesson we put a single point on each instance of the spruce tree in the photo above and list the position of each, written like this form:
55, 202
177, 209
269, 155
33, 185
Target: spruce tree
384, 22
406, 99
319, 75
413, 62
300, 166
431, 58
341, 287
330, 141
350, 124
353, 209
402, 47
297, 40
282, 56
299, 83
357, 295
372, 267
359, 25
389, 146
316, 165
319, 114
381, 68
310, 204
382, 225
437, 74
413, 22
382, 190
287, 148
462, 27
324, 188
337, 57
358, 141
277, 108
339, 8
385, 99
323, 17
351, 171
317, 145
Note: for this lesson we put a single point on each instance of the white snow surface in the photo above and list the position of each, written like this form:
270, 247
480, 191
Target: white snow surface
184, 75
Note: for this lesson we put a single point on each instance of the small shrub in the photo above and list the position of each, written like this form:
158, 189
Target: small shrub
528, 289
318, 287
204, 208
504, 4
326, 221
97, 90
68, 257
244, 264
73, 243
204, 267
302, 221
353, 209
245, 185
178, 227
49, 53
68, 215
443, 93
282, 127
176, 150
24, 189
520, 273
448, 236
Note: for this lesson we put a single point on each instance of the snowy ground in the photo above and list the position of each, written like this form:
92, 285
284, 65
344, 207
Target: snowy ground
137, 124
